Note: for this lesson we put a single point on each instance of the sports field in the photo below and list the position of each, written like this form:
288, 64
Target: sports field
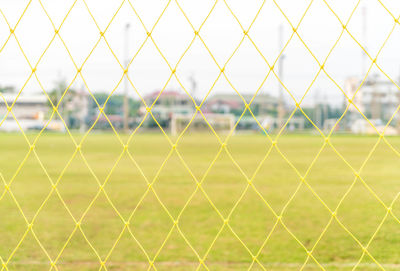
224, 223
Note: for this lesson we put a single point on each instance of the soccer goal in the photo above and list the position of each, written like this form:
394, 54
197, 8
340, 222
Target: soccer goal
221, 123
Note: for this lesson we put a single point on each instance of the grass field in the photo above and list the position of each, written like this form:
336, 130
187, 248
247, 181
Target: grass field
251, 220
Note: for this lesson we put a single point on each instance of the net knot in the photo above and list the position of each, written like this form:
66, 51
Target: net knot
364, 249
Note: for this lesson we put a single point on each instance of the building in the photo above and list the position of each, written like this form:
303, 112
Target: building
172, 107
30, 112
33, 106
33, 111
377, 98
262, 104
166, 104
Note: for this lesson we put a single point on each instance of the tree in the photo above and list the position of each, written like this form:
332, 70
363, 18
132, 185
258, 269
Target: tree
114, 104
55, 95
7, 89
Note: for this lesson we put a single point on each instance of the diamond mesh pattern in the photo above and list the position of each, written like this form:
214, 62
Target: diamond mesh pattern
174, 144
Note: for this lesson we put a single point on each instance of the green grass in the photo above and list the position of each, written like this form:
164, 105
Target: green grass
251, 220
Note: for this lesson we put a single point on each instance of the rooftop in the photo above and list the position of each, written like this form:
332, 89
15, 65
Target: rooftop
166, 93
23, 99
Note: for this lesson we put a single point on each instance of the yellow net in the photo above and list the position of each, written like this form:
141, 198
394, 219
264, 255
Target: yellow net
174, 144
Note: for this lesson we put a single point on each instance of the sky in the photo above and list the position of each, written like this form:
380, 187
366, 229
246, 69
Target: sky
220, 35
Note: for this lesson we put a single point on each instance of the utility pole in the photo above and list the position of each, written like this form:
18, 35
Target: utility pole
281, 108
375, 100
83, 114
193, 82
317, 108
59, 91
126, 83
398, 114
193, 90
364, 33
325, 111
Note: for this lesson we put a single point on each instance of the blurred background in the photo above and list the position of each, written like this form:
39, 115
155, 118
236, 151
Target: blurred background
172, 44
